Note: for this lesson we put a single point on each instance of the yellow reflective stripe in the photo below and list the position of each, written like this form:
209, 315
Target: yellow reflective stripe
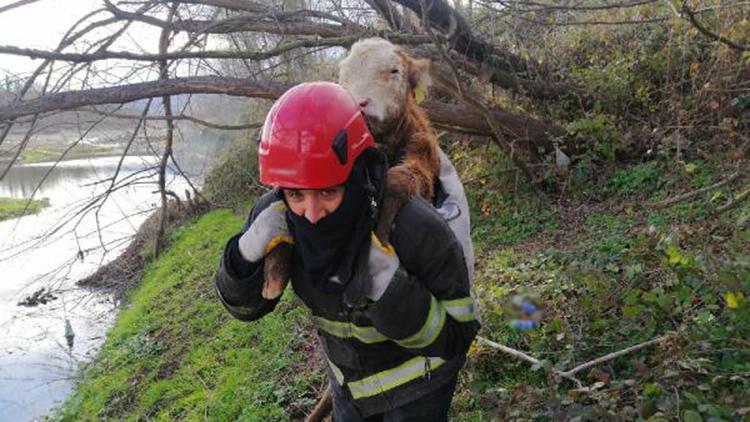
461, 310
430, 330
368, 335
386, 380
387, 249
276, 240
336, 372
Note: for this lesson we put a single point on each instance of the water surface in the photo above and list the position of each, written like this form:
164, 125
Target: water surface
36, 364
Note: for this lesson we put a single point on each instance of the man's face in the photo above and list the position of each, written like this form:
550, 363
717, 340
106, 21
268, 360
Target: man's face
314, 204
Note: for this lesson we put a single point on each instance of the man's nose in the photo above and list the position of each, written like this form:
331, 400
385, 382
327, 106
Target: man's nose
314, 211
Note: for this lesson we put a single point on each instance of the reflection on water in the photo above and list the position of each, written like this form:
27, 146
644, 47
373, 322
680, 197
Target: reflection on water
21, 181
36, 365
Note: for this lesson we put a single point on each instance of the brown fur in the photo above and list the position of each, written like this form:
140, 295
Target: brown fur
414, 140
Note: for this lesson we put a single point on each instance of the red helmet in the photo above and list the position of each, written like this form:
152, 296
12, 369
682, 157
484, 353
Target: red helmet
311, 137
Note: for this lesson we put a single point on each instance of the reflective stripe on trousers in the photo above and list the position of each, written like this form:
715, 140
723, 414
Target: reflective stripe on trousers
389, 379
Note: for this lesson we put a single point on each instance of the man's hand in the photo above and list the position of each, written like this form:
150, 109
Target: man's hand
267, 231
382, 265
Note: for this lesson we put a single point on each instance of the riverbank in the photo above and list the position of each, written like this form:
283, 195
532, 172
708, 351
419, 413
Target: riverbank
176, 354
15, 207
607, 273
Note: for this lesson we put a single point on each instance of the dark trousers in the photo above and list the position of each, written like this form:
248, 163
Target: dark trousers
432, 407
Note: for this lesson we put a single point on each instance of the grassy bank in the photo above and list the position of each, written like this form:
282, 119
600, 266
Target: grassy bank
611, 269
39, 155
14, 207
175, 354
607, 272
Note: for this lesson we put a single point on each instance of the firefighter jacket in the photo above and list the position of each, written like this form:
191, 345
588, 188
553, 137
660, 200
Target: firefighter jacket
404, 346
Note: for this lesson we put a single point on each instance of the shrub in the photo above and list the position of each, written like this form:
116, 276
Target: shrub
234, 179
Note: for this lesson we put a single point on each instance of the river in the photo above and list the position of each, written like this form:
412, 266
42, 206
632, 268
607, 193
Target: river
37, 366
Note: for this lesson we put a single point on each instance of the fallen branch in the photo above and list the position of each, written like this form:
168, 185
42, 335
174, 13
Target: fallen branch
679, 198
614, 355
523, 356
705, 31
184, 117
464, 119
733, 203
570, 374
323, 408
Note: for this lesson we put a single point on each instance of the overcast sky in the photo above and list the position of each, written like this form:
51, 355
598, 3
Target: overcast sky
38, 25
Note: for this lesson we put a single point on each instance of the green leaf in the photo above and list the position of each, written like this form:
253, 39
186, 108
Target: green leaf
675, 256
631, 311
733, 299
691, 416
652, 389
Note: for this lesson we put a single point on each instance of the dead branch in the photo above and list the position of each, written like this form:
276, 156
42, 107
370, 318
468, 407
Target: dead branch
544, 6
124, 94
182, 117
570, 374
19, 3
538, 89
679, 198
737, 200
241, 5
523, 356
458, 91
167, 152
615, 355
440, 15
68, 39
462, 118
344, 41
243, 23
323, 407
710, 34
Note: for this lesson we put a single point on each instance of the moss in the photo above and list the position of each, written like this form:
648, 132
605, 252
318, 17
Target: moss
14, 207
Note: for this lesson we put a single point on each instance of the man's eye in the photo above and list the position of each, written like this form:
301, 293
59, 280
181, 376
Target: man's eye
293, 194
393, 71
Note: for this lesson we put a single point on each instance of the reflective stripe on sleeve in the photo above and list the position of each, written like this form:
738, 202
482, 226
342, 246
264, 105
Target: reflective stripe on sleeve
336, 372
392, 378
367, 335
461, 310
430, 330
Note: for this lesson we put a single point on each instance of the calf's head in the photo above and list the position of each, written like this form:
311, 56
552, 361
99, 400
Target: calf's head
384, 80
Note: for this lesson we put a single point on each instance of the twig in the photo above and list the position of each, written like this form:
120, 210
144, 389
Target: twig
167, 101
679, 198
16, 4
705, 31
523, 356
323, 408
733, 203
614, 355
570, 374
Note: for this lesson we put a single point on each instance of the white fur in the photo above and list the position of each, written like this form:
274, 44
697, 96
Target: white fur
368, 73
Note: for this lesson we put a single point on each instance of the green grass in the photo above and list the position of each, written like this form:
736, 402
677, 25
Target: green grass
175, 354
38, 155
606, 281
14, 207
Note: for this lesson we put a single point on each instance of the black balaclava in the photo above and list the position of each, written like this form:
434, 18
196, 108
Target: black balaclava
330, 247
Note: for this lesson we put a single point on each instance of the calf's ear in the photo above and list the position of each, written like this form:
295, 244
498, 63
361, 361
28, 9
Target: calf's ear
417, 75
